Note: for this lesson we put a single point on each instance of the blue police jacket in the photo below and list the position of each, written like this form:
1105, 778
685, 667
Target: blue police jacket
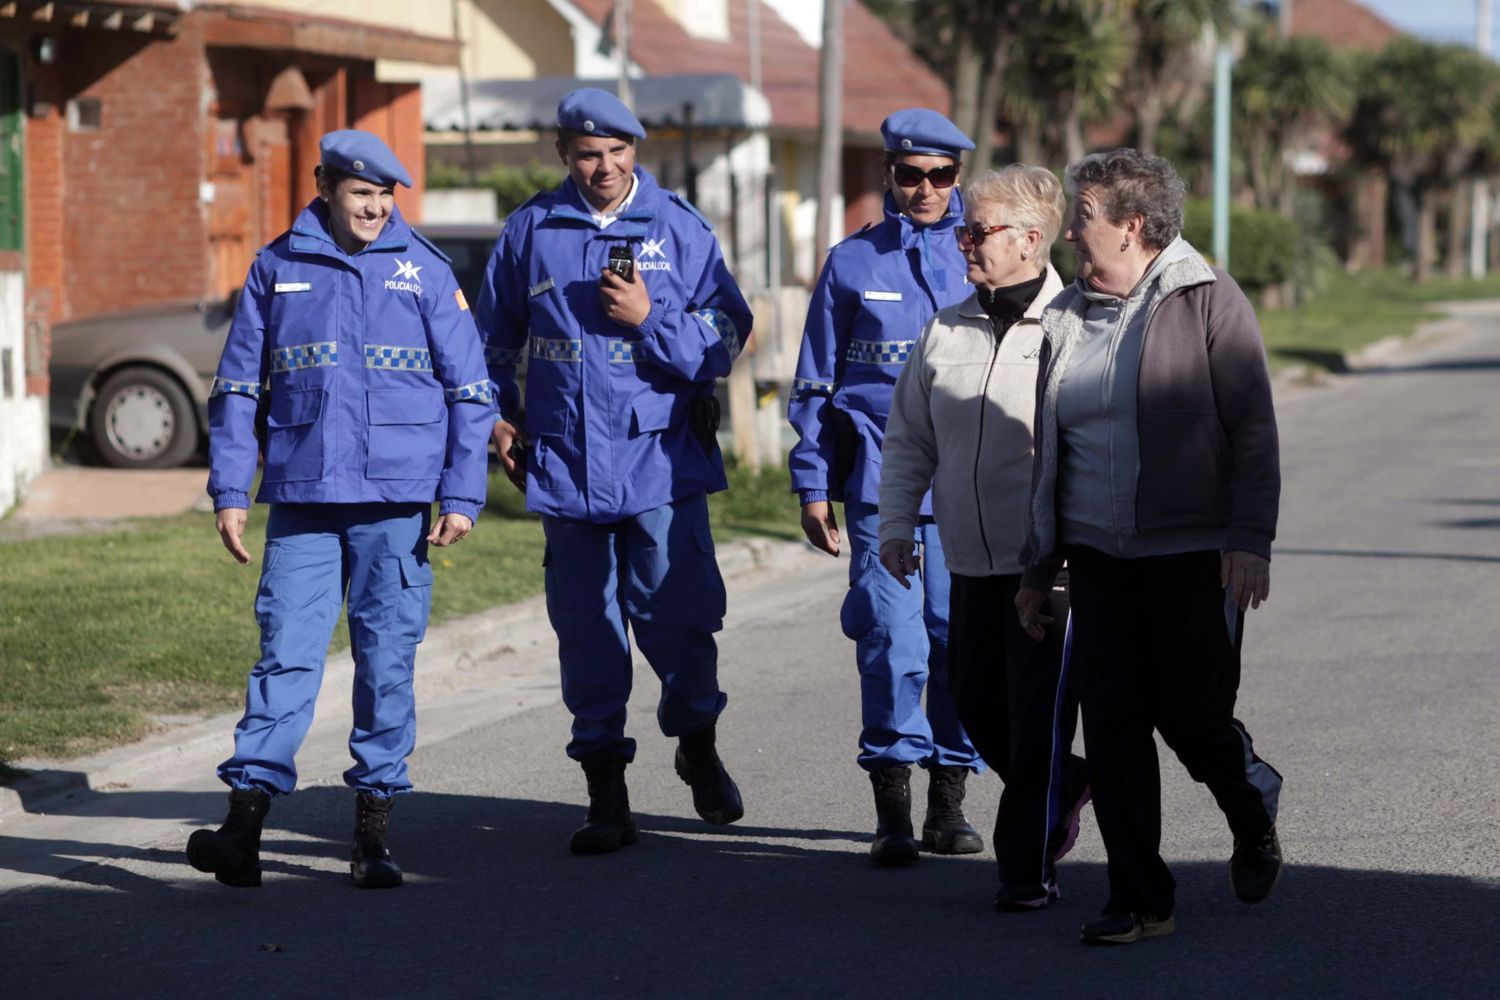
607, 407
368, 372
877, 291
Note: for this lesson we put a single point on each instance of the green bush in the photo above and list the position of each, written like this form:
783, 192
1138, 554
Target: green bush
513, 185
1262, 245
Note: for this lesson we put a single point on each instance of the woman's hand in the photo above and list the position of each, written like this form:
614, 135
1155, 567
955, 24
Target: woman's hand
899, 557
449, 529
1247, 577
1029, 610
821, 526
231, 524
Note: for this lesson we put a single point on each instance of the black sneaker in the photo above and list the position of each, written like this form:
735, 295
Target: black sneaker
1124, 928
1025, 899
1255, 867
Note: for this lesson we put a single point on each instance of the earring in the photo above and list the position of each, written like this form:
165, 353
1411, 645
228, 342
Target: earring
1025, 254
1125, 246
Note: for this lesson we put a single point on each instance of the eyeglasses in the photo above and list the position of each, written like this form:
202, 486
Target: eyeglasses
970, 237
908, 176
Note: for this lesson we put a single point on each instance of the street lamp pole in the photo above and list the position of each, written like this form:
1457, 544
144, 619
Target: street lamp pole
1479, 220
1223, 60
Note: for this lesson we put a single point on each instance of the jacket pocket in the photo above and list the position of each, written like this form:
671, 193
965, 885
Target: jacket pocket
655, 411
546, 466
294, 436
407, 435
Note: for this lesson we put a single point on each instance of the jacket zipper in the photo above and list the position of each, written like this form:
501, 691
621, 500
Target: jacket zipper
984, 395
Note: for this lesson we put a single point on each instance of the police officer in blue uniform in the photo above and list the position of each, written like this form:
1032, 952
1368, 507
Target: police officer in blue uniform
616, 294
354, 365
877, 290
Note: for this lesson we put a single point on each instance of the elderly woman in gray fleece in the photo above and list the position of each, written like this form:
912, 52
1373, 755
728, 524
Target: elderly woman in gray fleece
1156, 477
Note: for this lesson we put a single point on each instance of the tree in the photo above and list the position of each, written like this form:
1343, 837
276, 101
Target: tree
1173, 61
1425, 114
1285, 92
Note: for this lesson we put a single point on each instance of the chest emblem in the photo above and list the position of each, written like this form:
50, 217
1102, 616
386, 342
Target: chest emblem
405, 279
654, 256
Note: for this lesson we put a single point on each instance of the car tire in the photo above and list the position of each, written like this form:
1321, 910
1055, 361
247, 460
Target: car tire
143, 419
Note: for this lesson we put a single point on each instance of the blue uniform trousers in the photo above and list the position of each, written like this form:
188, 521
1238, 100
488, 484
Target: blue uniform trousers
657, 571
901, 637
376, 553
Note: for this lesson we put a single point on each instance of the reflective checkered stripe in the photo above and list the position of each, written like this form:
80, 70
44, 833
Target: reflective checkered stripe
723, 328
621, 352
320, 355
229, 387
475, 391
880, 352
495, 355
809, 387
404, 359
556, 350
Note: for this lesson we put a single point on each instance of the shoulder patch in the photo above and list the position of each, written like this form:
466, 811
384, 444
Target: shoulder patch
431, 246
692, 209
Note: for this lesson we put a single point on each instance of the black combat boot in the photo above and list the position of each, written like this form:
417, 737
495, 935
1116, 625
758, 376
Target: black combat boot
370, 864
894, 844
714, 793
608, 826
946, 831
232, 852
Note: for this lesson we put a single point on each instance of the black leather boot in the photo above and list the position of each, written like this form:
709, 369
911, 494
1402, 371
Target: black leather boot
715, 795
232, 852
370, 864
894, 844
946, 830
608, 826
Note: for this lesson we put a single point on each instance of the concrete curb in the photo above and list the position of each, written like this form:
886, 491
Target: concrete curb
470, 671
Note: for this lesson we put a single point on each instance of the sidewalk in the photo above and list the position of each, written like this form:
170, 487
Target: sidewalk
72, 498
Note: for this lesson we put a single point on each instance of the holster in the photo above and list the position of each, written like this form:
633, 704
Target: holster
703, 419
845, 450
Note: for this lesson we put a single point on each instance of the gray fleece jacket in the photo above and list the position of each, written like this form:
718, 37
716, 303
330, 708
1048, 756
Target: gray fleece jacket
960, 421
1207, 462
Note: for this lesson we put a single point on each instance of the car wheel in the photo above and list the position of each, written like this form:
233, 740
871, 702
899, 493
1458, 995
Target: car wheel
142, 419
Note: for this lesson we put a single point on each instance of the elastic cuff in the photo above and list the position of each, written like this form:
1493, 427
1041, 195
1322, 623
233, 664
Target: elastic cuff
813, 496
651, 322
231, 499
467, 508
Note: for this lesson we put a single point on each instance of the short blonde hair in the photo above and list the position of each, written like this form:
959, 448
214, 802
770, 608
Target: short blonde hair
1030, 198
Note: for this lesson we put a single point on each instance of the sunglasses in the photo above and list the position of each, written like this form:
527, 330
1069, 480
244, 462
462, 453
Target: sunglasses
908, 176
970, 237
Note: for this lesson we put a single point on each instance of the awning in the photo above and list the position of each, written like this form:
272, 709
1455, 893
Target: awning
718, 101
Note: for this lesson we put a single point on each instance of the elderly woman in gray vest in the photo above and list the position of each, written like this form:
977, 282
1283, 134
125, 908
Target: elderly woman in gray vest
960, 423
1156, 478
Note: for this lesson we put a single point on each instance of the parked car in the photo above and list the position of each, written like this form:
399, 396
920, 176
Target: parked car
136, 382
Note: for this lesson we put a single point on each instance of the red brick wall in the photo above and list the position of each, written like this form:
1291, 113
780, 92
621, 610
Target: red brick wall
134, 230
43, 224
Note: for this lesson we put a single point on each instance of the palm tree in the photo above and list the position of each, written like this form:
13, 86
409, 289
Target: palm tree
1285, 92
1172, 65
1424, 114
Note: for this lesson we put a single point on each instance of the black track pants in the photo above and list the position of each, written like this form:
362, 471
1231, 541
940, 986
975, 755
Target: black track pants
1157, 646
1012, 697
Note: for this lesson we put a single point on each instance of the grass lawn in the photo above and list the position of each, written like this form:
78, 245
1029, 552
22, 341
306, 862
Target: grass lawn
1357, 310
103, 634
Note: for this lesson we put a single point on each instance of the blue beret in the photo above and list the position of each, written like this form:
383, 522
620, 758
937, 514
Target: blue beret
363, 155
597, 112
918, 130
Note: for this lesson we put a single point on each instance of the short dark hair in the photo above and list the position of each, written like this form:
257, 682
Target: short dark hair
330, 175
1128, 182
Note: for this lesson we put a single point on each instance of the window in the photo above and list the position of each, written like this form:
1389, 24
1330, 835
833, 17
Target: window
84, 114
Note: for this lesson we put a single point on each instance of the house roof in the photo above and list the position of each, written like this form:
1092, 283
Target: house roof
881, 73
1343, 24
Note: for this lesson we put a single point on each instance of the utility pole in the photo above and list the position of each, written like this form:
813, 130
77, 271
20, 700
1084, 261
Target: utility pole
1284, 19
1223, 61
620, 26
830, 122
463, 98
1479, 220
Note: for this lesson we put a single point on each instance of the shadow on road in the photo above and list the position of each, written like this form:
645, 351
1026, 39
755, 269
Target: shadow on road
495, 906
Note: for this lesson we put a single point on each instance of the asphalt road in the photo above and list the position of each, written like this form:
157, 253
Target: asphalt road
1370, 682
